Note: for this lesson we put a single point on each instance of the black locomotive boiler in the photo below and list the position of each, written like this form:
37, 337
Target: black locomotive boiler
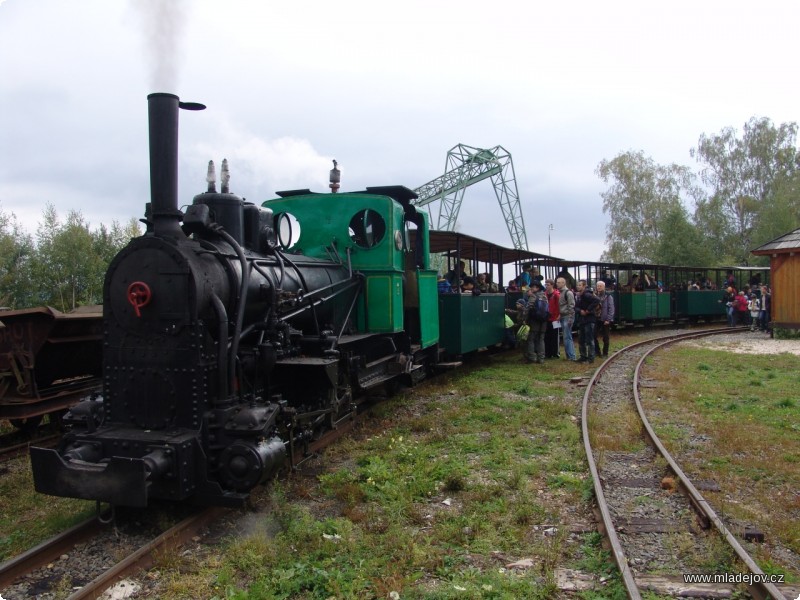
224, 354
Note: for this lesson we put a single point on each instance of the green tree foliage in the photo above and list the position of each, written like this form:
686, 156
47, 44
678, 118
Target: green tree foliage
640, 197
684, 245
780, 212
16, 248
65, 262
68, 265
752, 196
749, 178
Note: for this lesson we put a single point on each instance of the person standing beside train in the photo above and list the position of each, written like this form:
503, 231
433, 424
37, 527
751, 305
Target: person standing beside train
766, 306
566, 311
754, 306
554, 323
534, 349
567, 277
728, 296
603, 326
740, 308
585, 306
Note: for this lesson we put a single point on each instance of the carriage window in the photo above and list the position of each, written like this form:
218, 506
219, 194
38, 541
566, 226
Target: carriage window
367, 228
288, 228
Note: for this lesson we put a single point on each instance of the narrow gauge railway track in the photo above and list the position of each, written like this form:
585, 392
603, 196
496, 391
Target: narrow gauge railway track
13, 448
89, 545
637, 530
84, 556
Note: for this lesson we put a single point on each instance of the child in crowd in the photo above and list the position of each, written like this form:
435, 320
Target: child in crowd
754, 306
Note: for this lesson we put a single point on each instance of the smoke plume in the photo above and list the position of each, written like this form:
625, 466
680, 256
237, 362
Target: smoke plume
162, 23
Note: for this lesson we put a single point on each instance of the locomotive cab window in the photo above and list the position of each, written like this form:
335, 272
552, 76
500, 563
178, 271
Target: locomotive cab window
367, 228
288, 228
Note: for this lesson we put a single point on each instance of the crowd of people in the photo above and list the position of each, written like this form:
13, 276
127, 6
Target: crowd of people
544, 318
544, 331
751, 305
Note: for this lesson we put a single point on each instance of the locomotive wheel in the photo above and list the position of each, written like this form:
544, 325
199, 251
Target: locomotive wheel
27, 425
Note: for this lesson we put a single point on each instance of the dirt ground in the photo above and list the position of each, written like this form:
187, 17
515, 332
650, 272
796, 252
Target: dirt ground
749, 343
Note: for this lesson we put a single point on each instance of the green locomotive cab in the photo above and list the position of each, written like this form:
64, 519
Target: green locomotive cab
369, 232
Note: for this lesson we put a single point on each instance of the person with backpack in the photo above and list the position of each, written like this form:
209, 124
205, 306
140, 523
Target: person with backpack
566, 310
604, 319
538, 314
585, 305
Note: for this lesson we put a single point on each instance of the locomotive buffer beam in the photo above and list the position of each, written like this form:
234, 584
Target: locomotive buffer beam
120, 481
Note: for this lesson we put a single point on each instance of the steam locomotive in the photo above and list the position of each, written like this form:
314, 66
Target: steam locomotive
231, 341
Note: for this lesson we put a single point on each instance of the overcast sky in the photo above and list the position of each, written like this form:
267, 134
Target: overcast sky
386, 88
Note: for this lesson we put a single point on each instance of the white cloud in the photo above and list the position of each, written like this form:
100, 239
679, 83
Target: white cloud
260, 166
386, 89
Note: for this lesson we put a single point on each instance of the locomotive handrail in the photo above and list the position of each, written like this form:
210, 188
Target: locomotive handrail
222, 359
319, 291
279, 258
303, 282
268, 276
242, 301
349, 283
360, 281
338, 258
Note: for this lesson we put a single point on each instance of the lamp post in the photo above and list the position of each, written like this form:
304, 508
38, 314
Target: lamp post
549, 229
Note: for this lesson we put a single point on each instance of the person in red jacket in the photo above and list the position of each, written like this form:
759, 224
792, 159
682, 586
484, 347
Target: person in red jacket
551, 333
740, 310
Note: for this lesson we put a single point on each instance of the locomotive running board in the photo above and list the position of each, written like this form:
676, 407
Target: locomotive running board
121, 481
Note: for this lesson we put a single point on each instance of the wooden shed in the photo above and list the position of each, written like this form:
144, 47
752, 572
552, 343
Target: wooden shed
784, 260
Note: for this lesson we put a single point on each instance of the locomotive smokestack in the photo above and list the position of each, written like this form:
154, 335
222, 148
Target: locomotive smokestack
163, 116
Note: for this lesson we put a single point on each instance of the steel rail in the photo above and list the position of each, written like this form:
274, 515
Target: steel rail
47, 551
10, 452
631, 587
760, 590
144, 557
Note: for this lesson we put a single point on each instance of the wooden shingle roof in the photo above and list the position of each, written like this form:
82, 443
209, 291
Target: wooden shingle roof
786, 243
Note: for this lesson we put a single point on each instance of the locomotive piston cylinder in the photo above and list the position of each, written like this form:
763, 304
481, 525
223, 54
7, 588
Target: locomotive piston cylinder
244, 465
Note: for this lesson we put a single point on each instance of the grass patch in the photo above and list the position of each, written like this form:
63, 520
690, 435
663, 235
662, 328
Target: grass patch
745, 411
27, 517
444, 486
